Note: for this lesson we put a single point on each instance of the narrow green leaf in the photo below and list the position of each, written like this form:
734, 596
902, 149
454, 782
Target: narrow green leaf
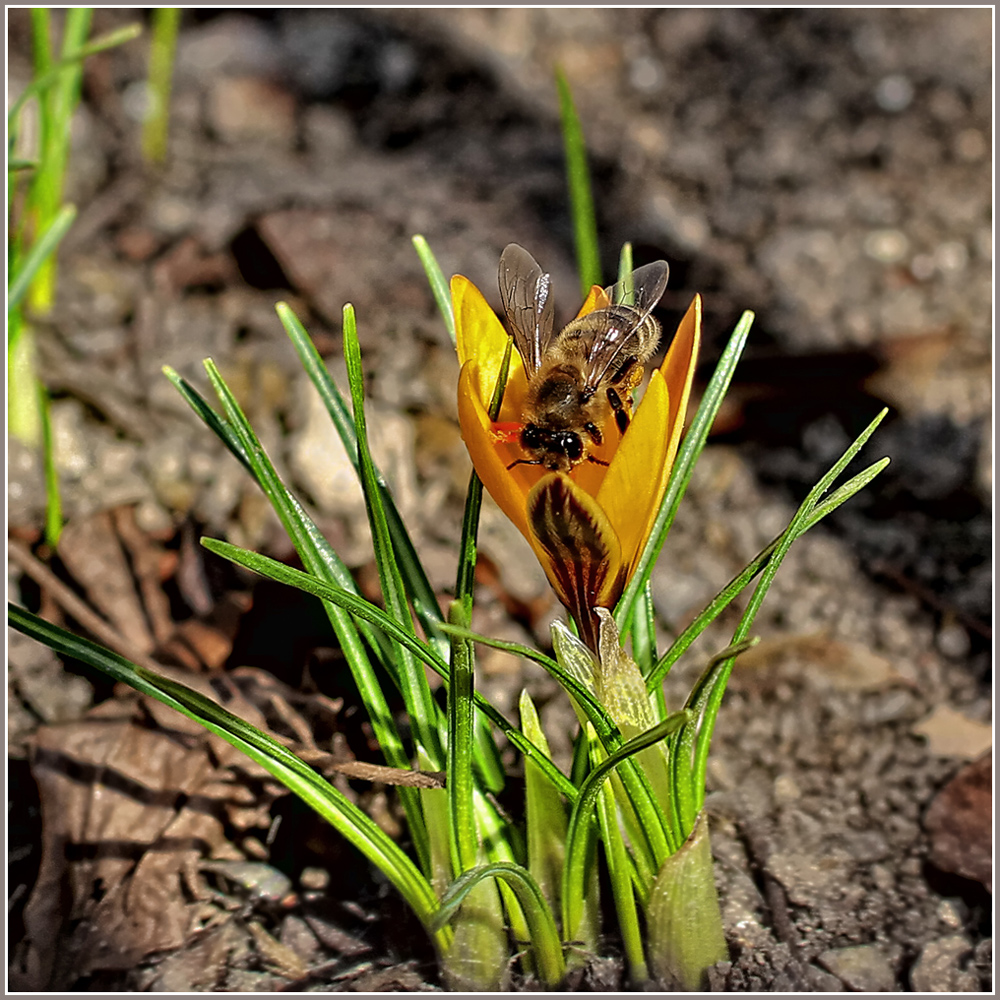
545, 814
716, 606
41, 83
362, 609
53, 499
43, 248
439, 284
416, 692
622, 889
418, 587
843, 494
794, 530
582, 814
163, 45
588, 257
322, 562
625, 263
460, 744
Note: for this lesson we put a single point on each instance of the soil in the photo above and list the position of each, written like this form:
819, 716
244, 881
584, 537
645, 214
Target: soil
828, 169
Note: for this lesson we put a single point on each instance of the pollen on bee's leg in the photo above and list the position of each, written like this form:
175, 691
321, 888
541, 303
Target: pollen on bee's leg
509, 432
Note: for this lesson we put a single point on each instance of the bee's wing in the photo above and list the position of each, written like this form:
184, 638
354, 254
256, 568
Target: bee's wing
524, 291
633, 299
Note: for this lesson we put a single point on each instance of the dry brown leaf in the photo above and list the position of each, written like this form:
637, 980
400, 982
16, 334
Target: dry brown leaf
951, 734
824, 661
959, 821
133, 796
91, 551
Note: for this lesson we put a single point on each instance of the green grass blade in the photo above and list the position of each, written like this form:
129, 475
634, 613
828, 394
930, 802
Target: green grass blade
45, 80
690, 449
416, 692
795, 529
362, 609
843, 494
53, 500
620, 875
439, 284
625, 263
221, 428
418, 587
460, 746
163, 45
588, 256
290, 770
320, 560
31, 263
716, 606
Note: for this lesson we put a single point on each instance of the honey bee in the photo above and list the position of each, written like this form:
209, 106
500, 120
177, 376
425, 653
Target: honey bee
586, 371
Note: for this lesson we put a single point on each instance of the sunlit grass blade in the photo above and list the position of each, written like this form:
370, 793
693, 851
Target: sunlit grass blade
690, 450
622, 885
221, 428
588, 255
366, 611
163, 45
545, 816
460, 746
625, 263
290, 770
681, 744
544, 935
843, 494
715, 607
802, 518
53, 499
41, 83
416, 692
30, 264
321, 561
425, 603
439, 284
57, 104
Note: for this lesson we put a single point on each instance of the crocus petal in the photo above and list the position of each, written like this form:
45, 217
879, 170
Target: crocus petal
637, 478
678, 370
633, 489
490, 457
578, 548
596, 298
479, 336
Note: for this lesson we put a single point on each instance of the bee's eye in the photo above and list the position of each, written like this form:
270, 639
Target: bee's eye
572, 446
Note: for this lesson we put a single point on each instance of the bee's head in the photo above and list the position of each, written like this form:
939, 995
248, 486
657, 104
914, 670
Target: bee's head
558, 451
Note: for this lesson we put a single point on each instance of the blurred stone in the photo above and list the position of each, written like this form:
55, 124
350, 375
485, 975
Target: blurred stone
863, 968
939, 970
250, 108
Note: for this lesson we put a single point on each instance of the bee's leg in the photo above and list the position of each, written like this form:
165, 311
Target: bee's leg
621, 414
596, 461
595, 433
525, 461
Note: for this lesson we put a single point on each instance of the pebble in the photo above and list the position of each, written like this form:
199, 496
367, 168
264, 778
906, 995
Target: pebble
938, 970
863, 968
894, 93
